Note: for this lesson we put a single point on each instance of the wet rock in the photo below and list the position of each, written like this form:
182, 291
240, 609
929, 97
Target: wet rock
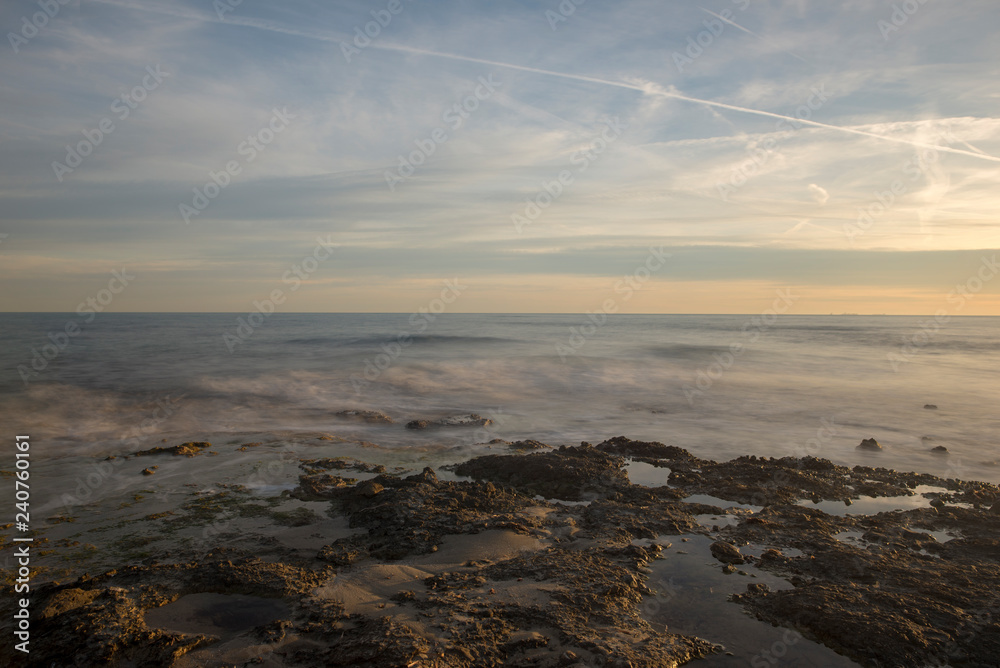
620, 445
149, 471
527, 445
368, 488
320, 486
565, 473
726, 553
995, 509
418, 424
940, 449
372, 417
425, 477
183, 450
471, 420
869, 444
339, 464
930, 407
66, 600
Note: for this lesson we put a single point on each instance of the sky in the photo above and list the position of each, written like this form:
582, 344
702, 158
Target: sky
650, 157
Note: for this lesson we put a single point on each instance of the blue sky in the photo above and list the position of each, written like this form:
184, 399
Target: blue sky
581, 140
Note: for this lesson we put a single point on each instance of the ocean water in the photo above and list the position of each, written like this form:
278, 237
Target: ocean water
720, 386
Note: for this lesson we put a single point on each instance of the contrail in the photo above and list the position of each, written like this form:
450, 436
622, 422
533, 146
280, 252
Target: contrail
751, 32
647, 89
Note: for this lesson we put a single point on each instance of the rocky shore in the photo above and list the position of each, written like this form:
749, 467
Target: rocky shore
529, 556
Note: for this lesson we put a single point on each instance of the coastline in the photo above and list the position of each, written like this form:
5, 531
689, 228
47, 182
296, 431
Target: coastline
531, 555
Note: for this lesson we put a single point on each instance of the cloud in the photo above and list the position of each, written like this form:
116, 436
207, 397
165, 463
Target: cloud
818, 193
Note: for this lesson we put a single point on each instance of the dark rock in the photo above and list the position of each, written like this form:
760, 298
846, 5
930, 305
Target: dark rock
726, 553
995, 509
149, 471
528, 445
425, 477
368, 488
373, 417
418, 424
320, 486
471, 420
184, 449
565, 473
940, 448
869, 444
620, 445
930, 407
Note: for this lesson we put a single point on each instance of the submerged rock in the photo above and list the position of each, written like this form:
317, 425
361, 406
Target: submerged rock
471, 420
374, 417
940, 449
189, 449
726, 553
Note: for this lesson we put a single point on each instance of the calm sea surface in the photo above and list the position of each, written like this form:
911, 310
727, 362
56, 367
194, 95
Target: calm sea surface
720, 386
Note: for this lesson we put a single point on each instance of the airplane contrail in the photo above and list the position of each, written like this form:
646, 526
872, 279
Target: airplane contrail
647, 89
751, 32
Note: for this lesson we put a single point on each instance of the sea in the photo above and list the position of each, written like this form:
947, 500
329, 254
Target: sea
721, 386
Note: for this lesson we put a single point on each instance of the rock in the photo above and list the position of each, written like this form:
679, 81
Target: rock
425, 477
367, 416
758, 588
726, 553
471, 420
66, 600
568, 658
529, 444
189, 449
368, 488
565, 473
320, 486
940, 449
930, 407
937, 503
149, 471
418, 424
869, 444
995, 509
